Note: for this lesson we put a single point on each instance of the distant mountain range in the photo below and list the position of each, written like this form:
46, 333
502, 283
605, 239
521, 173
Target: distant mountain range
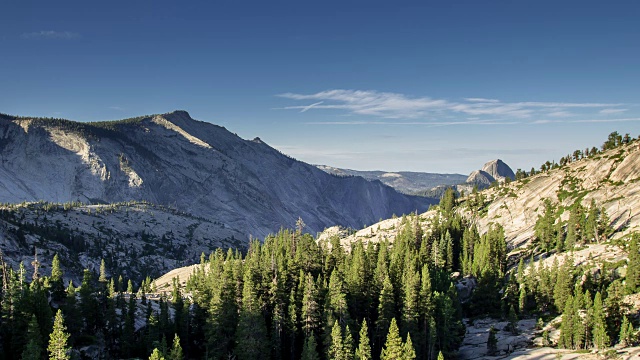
406, 182
432, 185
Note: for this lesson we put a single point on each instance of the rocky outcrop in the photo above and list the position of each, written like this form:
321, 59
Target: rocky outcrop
498, 170
480, 178
474, 345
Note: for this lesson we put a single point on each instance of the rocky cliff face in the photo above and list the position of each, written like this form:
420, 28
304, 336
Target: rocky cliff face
494, 170
190, 165
498, 170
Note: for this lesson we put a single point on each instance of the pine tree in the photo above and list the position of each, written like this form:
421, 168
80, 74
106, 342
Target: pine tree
633, 267
522, 299
88, 303
578, 325
347, 344
513, 321
33, 349
626, 332
600, 336
440, 356
410, 301
251, 335
222, 309
563, 284
156, 355
386, 311
58, 349
310, 349
176, 350
364, 347
56, 281
492, 342
409, 353
336, 348
337, 299
393, 348
103, 272
310, 308
588, 319
566, 327
544, 228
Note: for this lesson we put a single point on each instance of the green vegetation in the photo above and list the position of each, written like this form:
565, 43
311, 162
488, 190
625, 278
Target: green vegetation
585, 226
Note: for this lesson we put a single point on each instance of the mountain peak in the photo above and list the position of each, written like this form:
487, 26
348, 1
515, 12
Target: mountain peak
178, 113
498, 169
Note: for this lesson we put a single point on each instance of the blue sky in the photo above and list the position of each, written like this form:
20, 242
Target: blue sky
436, 86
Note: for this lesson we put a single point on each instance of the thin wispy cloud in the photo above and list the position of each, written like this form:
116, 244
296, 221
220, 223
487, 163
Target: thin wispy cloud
415, 123
51, 35
607, 120
380, 104
432, 111
311, 106
585, 121
612, 111
482, 100
561, 114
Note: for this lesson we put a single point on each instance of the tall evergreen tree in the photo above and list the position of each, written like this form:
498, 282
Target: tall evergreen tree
578, 324
626, 332
310, 307
364, 347
393, 348
251, 335
633, 266
156, 355
336, 348
348, 344
176, 350
513, 321
410, 302
564, 283
544, 228
88, 303
386, 311
409, 353
310, 349
492, 342
600, 336
56, 281
58, 349
33, 349
566, 327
